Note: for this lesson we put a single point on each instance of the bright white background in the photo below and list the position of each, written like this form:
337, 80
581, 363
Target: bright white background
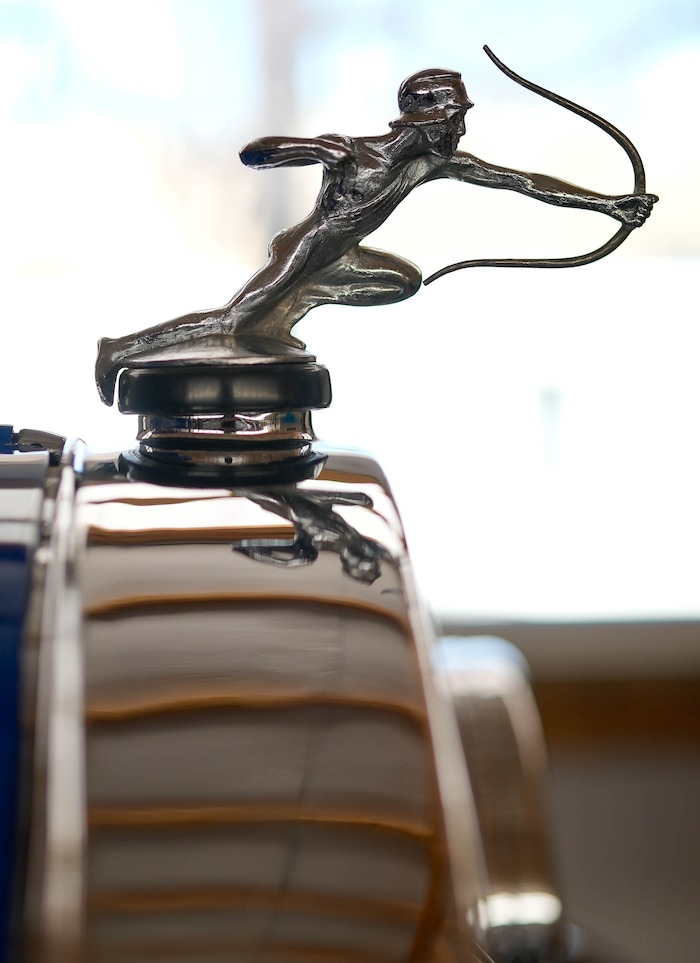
539, 428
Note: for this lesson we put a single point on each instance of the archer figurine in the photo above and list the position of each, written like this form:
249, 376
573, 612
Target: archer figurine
320, 260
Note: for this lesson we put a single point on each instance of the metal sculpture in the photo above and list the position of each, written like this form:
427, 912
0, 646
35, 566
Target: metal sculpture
320, 260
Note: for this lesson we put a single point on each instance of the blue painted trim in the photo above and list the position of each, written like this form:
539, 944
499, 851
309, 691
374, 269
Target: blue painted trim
21, 477
15, 563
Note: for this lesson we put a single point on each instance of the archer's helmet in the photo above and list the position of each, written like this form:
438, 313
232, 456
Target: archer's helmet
430, 96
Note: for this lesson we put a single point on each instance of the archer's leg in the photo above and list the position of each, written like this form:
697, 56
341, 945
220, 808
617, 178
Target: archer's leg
114, 353
361, 277
244, 315
366, 276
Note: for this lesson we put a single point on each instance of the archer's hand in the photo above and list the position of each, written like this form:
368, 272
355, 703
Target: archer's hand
633, 209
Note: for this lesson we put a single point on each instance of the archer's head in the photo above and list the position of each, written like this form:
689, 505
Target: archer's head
435, 102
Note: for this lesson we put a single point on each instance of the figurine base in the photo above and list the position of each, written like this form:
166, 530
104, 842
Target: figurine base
178, 391
214, 424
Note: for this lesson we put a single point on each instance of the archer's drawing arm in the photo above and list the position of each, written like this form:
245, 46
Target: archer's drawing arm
631, 209
268, 152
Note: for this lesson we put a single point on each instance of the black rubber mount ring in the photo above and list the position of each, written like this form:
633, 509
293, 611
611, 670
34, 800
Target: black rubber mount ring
179, 391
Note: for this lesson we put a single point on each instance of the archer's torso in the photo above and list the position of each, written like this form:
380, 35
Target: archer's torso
357, 196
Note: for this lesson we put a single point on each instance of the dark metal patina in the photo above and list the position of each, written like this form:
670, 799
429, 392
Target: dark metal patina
321, 260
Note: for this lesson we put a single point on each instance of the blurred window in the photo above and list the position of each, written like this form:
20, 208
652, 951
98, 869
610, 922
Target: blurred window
539, 427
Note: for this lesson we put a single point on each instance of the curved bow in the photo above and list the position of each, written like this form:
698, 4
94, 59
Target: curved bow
578, 259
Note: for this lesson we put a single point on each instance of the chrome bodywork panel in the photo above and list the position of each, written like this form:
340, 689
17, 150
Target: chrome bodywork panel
260, 764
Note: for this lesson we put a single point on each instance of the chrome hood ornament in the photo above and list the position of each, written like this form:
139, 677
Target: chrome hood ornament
247, 742
213, 365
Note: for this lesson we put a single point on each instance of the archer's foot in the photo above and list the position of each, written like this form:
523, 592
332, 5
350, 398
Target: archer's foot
106, 371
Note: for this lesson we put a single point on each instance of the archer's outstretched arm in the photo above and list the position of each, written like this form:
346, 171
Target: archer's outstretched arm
632, 209
295, 152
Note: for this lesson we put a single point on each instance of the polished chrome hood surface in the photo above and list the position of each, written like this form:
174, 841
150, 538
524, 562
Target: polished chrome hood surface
265, 770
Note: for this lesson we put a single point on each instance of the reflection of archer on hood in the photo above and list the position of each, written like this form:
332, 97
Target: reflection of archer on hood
317, 526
